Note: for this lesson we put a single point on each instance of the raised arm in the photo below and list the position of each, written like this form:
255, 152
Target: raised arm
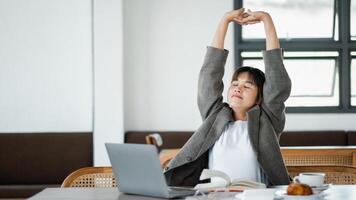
219, 37
210, 85
272, 41
277, 87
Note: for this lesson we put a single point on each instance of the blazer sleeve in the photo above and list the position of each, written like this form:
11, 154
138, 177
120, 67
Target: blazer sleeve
276, 89
210, 84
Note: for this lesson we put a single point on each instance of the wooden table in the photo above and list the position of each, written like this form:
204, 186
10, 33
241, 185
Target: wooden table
335, 192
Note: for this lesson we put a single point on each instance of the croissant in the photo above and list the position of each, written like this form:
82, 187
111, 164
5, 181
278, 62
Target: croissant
299, 189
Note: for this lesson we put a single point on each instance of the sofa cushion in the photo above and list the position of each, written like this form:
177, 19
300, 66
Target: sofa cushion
171, 139
42, 158
351, 138
313, 138
175, 139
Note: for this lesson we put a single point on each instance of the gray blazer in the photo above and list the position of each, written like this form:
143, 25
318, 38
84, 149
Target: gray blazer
265, 121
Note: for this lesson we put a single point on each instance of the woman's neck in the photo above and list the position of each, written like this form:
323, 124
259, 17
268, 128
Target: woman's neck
240, 115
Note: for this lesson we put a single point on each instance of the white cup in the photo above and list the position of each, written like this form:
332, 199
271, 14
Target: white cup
310, 178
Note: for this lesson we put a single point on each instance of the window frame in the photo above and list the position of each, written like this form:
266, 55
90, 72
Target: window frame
344, 46
352, 58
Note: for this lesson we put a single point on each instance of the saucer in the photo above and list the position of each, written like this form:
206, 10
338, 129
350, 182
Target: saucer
318, 189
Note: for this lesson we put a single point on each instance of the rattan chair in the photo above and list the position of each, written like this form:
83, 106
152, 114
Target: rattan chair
334, 174
319, 156
102, 177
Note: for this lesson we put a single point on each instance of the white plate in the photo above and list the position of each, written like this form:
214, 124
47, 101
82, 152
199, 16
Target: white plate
284, 196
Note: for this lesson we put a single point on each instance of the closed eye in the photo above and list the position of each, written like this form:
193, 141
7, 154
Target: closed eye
235, 83
248, 85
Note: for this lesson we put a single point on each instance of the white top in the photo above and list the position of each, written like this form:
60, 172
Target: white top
234, 155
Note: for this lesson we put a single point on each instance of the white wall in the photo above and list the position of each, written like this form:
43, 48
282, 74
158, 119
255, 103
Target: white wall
45, 66
165, 43
108, 65
335, 121
61, 68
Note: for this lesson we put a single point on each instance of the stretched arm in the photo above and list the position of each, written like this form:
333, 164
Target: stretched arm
277, 87
272, 41
210, 85
219, 37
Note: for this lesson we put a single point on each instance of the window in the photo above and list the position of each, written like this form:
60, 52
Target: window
315, 79
316, 51
302, 16
353, 20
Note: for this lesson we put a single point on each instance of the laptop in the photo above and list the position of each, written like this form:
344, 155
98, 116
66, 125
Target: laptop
138, 171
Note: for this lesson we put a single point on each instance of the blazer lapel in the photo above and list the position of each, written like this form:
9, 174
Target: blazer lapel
253, 116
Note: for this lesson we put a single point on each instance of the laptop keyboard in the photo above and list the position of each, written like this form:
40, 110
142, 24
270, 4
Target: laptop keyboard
181, 191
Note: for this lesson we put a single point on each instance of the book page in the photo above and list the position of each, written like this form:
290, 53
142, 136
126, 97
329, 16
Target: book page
227, 184
248, 184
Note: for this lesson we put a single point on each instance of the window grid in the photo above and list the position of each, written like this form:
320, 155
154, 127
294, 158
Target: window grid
343, 45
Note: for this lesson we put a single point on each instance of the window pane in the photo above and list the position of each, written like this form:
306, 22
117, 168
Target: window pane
294, 19
314, 81
353, 82
353, 20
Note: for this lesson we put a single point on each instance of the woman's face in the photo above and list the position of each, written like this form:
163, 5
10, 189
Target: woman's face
242, 92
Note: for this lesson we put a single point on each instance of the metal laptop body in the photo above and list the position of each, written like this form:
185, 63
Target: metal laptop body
138, 171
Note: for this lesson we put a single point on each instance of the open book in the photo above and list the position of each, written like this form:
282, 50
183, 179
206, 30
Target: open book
226, 184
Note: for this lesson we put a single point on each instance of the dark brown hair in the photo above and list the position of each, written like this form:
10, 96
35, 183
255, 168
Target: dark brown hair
258, 78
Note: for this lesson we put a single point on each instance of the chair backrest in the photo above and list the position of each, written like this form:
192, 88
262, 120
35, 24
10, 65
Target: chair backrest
335, 174
319, 156
154, 139
293, 156
102, 177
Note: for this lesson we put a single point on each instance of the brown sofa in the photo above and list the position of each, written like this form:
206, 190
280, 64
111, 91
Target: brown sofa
175, 139
31, 162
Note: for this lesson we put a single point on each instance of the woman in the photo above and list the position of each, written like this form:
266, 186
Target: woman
239, 137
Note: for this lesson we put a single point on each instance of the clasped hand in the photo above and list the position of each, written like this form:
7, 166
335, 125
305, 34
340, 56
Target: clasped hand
246, 17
